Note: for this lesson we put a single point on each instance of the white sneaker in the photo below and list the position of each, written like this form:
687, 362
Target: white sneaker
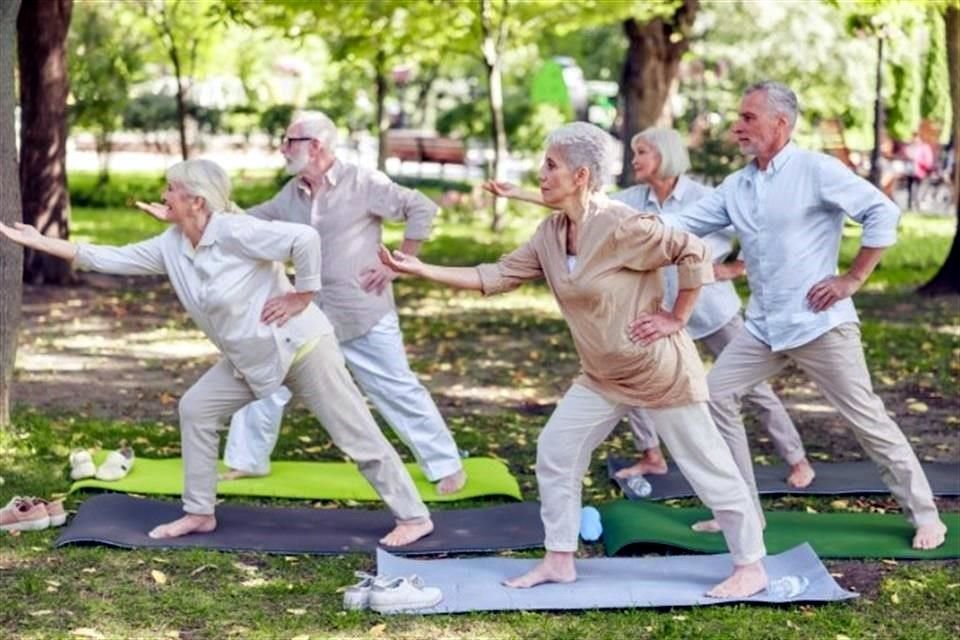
357, 596
401, 595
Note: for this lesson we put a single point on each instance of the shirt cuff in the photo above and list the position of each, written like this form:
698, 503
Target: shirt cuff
877, 239
491, 281
307, 283
418, 225
692, 276
82, 259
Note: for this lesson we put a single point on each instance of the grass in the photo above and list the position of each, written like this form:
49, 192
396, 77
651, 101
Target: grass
496, 366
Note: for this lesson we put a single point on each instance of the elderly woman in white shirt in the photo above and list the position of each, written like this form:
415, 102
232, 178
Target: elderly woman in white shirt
660, 162
227, 272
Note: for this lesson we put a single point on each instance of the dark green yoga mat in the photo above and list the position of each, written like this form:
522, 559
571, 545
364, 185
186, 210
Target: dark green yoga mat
832, 535
308, 480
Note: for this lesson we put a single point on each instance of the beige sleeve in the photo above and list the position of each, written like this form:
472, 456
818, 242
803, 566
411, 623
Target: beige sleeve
644, 243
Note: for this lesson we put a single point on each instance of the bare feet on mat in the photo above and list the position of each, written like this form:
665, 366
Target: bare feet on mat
452, 483
801, 475
706, 526
407, 532
555, 567
190, 523
745, 581
930, 536
236, 474
650, 461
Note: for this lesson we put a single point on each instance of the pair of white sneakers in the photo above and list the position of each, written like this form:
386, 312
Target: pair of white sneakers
116, 465
390, 595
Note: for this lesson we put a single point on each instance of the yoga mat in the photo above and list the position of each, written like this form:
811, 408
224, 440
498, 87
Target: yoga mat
833, 478
309, 480
832, 535
123, 521
473, 584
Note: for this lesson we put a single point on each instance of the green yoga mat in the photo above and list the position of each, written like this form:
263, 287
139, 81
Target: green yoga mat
308, 480
832, 535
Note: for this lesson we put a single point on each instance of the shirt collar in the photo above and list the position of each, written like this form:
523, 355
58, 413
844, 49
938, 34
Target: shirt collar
777, 162
210, 235
330, 178
679, 190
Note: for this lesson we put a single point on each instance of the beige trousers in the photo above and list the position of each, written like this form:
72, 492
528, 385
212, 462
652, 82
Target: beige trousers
773, 416
584, 418
322, 383
836, 364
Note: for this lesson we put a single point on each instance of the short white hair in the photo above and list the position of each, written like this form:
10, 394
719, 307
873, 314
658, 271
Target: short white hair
780, 98
317, 125
204, 179
674, 159
584, 145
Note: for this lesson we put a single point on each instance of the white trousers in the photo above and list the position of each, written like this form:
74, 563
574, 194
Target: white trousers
773, 416
378, 362
836, 364
584, 418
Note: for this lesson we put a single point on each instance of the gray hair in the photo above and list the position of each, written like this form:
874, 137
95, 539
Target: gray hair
317, 125
780, 98
584, 145
204, 179
674, 159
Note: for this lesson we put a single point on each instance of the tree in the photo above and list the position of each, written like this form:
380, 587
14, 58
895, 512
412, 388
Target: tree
654, 50
935, 98
11, 256
44, 85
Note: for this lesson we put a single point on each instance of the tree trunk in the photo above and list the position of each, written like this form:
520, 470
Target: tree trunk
653, 59
11, 256
492, 45
383, 123
947, 279
875, 174
181, 103
44, 85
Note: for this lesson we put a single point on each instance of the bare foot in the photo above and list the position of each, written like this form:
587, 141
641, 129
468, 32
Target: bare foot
555, 567
745, 581
406, 532
452, 483
706, 526
801, 475
190, 523
236, 474
650, 462
930, 536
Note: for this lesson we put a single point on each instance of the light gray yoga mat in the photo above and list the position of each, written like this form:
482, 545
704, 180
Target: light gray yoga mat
473, 584
833, 479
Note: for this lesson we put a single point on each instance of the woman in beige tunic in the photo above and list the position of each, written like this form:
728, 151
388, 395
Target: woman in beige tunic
600, 259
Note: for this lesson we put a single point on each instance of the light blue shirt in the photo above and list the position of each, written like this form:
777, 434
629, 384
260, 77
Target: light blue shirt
789, 219
718, 302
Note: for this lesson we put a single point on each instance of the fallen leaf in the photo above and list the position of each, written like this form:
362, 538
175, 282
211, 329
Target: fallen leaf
202, 568
40, 612
889, 561
895, 599
302, 636
172, 634
918, 407
253, 582
158, 576
811, 509
88, 570
839, 504
160, 560
296, 612
377, 629
86, 632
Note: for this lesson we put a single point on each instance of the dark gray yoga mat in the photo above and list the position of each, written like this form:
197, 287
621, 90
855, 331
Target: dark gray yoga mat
473, 584
833, 478
121, 520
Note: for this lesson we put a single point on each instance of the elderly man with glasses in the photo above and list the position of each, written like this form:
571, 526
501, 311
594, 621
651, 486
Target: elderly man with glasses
347, 205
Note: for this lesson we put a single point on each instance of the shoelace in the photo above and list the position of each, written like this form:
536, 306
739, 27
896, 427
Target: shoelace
395, 583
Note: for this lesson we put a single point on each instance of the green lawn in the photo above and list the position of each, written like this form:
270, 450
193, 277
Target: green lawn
512, 355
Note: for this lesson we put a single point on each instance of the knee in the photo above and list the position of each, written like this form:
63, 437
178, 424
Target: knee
189, 410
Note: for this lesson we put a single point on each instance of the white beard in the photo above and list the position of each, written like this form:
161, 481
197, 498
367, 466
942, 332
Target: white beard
297, 163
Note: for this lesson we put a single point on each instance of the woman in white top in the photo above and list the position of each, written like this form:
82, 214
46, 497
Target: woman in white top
660, 163
228, 273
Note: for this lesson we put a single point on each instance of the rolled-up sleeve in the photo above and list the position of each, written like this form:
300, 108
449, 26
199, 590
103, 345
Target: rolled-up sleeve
644, 243
510, 271
139, 259
390, 201
842, 189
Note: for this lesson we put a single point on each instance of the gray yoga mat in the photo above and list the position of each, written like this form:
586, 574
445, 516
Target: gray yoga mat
833, 478
473, 584
121, 520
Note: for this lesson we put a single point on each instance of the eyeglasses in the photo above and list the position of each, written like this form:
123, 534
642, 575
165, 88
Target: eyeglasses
288, 141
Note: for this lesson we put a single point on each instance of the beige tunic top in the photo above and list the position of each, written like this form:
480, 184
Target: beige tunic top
348, 211
615, 278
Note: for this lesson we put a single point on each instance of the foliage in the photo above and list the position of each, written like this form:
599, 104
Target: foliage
935, 98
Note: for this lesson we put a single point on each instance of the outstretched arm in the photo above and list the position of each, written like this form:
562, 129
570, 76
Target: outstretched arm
512, 192
457, 277
24, 234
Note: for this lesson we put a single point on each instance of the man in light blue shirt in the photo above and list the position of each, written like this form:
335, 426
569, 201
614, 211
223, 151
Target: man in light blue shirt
788, 207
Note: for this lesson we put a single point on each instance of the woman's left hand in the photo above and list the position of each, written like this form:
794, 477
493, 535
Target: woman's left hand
649, 327
282, 308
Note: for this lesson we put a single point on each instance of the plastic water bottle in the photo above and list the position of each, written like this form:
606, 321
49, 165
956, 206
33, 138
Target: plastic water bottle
787, 587
639, 485
590, 526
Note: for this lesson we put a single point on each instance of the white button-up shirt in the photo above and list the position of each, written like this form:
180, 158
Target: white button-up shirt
717, 302
789, 219
224, 282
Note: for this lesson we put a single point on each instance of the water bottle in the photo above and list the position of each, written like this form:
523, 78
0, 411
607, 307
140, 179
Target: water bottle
639, 486
590, 526
787, 587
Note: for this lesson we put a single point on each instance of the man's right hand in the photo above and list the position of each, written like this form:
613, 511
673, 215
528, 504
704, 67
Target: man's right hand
156, 209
